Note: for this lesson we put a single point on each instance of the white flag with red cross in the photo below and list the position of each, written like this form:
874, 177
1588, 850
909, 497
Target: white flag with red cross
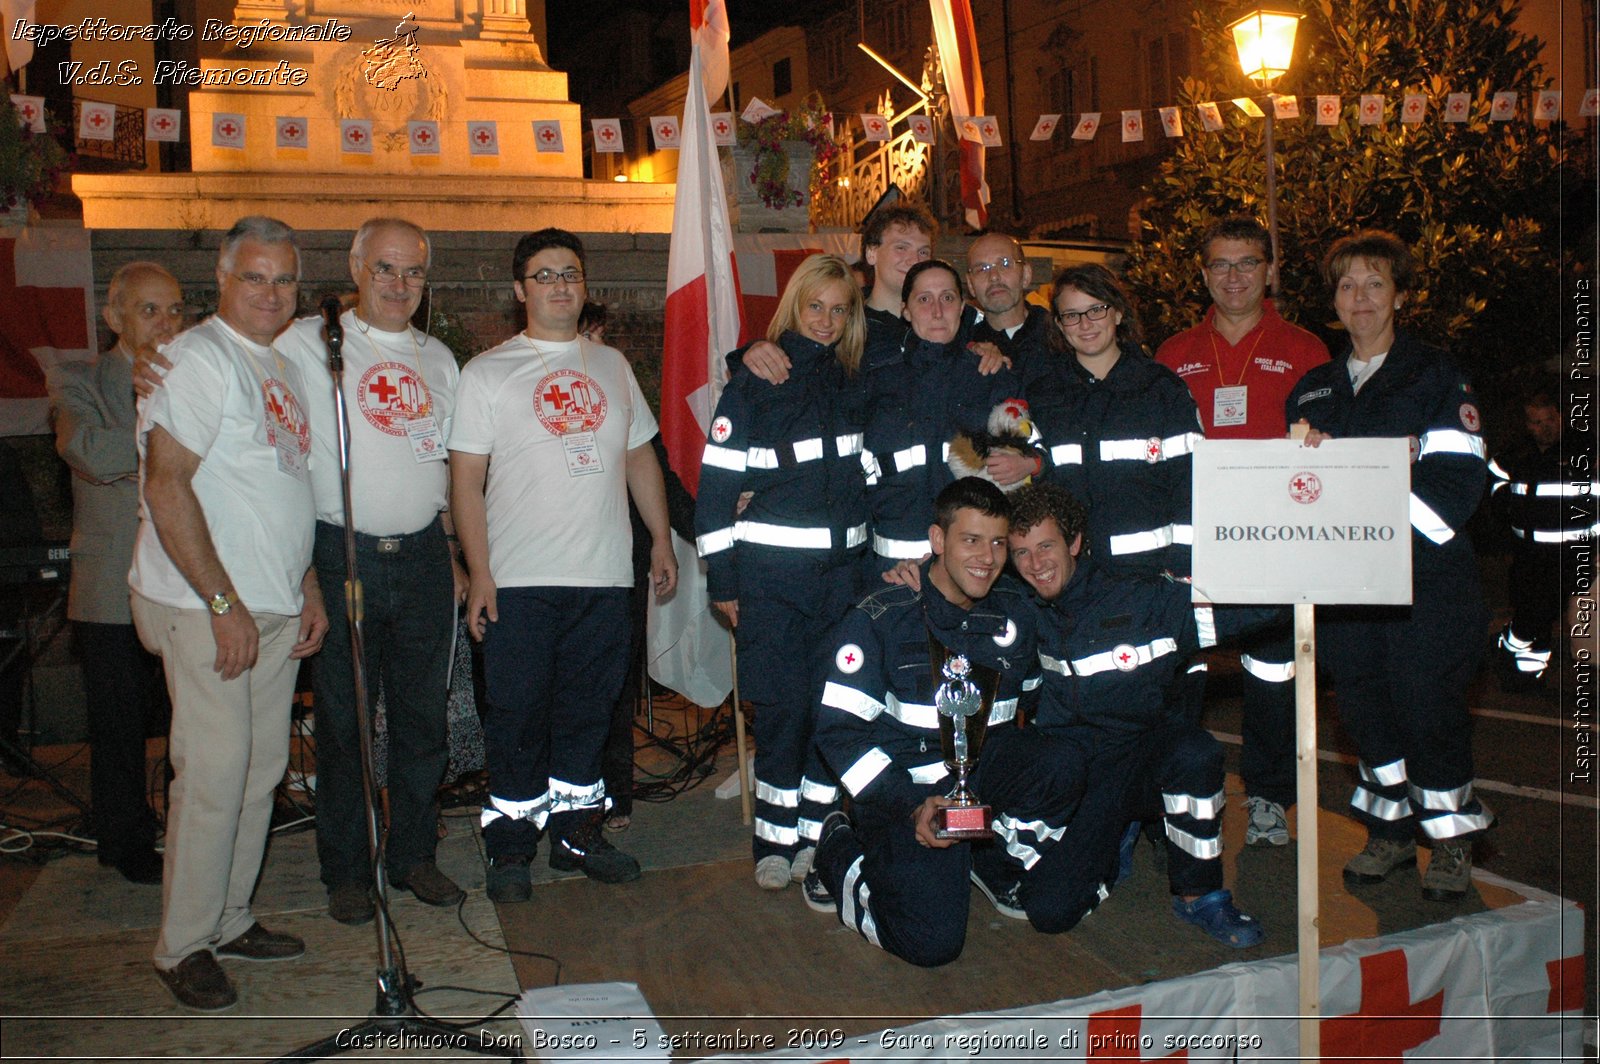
97, 121
547, 136
1372, 109
1457, 107
355, 136
30, 111
874, 126
988, 131
1088, 125
1171, 121
1132, 126
957, 37
1327, 110
1413, 109
607, 134
291, 132
921, 129
1045, 128
423, 137
1285, 106
1590, 107
1547, 105
163, 124
483, 138
1210, 116
723, 130
664, 131
227, 130
1504, 107
1248, 106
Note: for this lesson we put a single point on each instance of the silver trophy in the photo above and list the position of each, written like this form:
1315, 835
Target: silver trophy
964, 697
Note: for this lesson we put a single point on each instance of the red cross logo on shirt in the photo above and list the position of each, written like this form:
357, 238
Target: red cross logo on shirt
482, 136
555, 397
1125, 657
291, 131
1152, 449
97, 119
163, 123
423, 136
229, 129
547, 134
849, 659
355, 136
382, 390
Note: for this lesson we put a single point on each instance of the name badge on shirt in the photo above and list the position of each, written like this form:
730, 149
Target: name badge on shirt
1229, 405
427, 445
583, 454
287, 444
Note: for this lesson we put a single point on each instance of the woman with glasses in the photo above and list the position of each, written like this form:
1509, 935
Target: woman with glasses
782, 524
922, 396
1120, 427
1402, 672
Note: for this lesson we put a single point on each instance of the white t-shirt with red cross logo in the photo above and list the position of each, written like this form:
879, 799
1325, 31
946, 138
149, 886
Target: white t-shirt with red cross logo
390, 379
557, 420
224, 399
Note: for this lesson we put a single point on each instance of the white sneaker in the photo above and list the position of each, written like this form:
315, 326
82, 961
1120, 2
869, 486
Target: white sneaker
1269, 823
772, 872
802, 863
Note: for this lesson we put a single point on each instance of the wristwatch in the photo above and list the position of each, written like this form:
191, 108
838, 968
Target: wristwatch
222, 602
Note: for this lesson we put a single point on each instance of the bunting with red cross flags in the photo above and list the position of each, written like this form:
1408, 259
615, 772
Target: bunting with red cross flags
30, 111
227, 130
423, 137
483, 138
547, 136
163, 124
607, 134
355, 136
291, 132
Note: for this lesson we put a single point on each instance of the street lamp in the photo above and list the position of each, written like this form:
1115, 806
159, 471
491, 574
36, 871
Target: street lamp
1264, 40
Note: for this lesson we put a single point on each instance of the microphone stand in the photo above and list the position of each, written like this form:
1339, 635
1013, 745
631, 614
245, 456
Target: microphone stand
394, 1019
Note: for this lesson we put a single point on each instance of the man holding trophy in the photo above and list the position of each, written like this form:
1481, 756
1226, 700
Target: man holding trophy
923, 692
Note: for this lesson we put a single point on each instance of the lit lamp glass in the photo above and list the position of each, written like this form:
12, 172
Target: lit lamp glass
1264, 40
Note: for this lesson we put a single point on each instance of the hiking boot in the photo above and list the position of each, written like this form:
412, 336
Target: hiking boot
1449, 872
259, 944
801, 865
350, 903
817, 894
586, 850
1378, 858
772, 872
1006, 898
509, 881
431, 886
1269, 823
199, 982
1217, 916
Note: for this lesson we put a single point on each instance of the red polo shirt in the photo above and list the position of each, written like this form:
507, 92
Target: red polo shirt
1267, 361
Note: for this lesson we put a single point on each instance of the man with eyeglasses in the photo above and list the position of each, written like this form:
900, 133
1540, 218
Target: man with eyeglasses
548, 547
1240, 363
225, 594
93, 414
399, 389
1000, 277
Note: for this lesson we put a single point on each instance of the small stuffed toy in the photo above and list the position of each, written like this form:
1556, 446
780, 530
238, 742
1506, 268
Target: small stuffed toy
1009, 428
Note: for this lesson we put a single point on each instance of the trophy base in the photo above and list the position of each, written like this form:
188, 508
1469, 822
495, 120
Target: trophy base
963, 822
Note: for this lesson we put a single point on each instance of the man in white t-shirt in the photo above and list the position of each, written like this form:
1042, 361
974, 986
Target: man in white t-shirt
547, 542
399, 390
224, 593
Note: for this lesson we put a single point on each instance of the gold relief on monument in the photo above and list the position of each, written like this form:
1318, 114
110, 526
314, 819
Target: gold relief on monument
389, 84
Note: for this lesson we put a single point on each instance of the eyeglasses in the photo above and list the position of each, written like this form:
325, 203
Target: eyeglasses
1222, 267
256, 280
411, 276
1094, 313
548, 276
152, 311
1005, 262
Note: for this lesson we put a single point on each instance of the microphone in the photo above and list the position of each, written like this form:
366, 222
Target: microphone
333, 332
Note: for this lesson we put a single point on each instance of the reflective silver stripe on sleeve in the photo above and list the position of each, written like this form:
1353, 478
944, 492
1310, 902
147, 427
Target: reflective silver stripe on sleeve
723, 458
1571, 535
1557, 489
858, 703
1497, 471
1389, 775
931, 773
1154, 539
1199, 808
848, 444
786, 797
1199, 666
869, 466
1055, 665
767, 457
1194, 845
1002, 711
1430, 524
865, 770
884, 547
1205, 623
1271, 672
1143, 655
712, 542
1449, 441
770, 535
910, 458
912, 714
1032, 683
1139, 450
1067, 454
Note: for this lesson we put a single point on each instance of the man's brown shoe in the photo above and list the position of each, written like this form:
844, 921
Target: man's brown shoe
198, 982
259, 944
350, 903
431, 886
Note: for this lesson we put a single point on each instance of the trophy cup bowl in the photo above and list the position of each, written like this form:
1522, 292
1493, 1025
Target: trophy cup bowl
964, 697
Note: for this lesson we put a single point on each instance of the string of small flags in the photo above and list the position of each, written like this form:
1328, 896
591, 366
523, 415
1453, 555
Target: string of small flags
97, 121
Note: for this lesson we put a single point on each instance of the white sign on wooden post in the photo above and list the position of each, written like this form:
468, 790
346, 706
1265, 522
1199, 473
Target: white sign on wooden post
1278, 522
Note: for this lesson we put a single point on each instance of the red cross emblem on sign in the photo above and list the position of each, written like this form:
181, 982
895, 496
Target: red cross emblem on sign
288, 131
1046, 126
1328, 108
483, 136
28, 111
1372, 108
1457, 107
1414, 106
97, 119
722, 128
355, 136
665, 130
1502, 107
1111, 1035
920, 127
1387, 1023
1547, 104
163, 122
423, 136
607, 133
547, 134
1133, 123
228, 129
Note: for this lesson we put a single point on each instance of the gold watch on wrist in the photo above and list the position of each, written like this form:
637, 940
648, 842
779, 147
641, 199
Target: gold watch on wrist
222, 602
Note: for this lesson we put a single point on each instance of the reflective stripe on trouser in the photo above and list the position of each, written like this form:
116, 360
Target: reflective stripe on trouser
553, 665
908, 899
786, 609
1528, 656
1266, 719
1400, 675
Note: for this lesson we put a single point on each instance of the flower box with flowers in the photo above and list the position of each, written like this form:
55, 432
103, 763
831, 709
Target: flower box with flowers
779, 163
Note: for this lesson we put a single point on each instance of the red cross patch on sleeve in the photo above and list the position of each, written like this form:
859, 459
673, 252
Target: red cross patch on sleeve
721, 429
